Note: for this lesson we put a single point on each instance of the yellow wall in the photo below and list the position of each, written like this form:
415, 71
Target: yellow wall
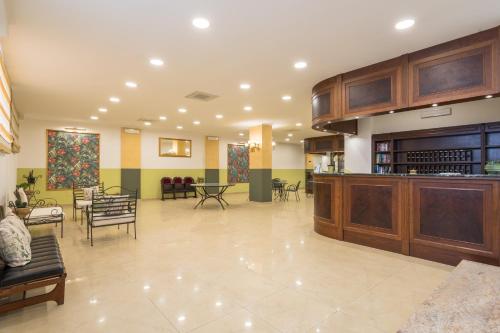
130, 150
261, 158
211, 154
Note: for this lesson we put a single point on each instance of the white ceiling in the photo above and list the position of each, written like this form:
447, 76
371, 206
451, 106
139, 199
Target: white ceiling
67, 57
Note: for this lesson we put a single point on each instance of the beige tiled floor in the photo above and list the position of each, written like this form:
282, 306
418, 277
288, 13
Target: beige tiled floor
251, 268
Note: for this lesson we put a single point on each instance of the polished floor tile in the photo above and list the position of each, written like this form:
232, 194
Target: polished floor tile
255, 267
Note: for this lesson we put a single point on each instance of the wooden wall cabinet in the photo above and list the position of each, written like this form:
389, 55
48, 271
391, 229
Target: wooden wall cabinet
326, 100
323, 144
451, 222
458, 70
377, 88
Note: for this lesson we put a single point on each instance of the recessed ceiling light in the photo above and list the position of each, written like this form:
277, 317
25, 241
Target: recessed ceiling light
301, 141
298, 124
179, 127
131, 84
196, 122
241, 134
286, 97
290, 135
300, 65
219, 116
434, 105
404, 24
201, 23
245, 86
156, 62
114, 99
94, 117
287, 139
182, 110
162, 118
181, 318
103, 110
488, 96
248, 108
147, 123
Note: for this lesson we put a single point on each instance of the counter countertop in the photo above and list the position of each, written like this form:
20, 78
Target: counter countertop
491, 177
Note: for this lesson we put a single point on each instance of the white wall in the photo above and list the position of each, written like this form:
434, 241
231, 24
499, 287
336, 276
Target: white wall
288, 156
358, 148
33, 140
149, 151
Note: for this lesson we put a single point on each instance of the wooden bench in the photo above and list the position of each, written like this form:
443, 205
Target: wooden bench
45, 269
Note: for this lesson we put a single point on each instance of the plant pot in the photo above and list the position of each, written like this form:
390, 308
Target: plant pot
22, 212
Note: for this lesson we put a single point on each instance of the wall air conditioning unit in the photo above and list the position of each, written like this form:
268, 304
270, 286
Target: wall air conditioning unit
132, 131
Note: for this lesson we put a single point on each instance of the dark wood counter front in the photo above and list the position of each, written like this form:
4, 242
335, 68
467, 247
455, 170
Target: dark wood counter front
445, 219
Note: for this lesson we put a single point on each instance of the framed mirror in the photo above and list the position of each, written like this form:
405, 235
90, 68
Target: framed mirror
169, 147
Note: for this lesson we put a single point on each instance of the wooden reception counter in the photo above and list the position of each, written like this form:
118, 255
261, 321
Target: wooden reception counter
440, 218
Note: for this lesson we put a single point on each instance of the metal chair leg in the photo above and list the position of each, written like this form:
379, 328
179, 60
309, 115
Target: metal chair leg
135, 232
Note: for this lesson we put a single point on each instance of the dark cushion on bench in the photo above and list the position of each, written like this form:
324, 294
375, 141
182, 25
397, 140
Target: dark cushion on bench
46, 261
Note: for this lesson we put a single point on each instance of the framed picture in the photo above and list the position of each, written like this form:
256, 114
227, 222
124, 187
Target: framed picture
72, 158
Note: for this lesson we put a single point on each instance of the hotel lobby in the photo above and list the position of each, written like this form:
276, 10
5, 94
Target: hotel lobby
223, 166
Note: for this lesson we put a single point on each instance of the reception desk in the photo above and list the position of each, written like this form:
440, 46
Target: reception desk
439, 218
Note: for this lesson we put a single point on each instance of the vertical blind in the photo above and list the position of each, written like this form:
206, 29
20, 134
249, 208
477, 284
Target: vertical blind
6, 117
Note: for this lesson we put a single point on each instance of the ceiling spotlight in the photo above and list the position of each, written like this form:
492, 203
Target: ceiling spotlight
131, 84
391, 112
201, 23
324, 130
248, 108
290, 135
274, 143
103, 110
286, 98
245, 86
94, 117
147, 123
301, 141
196, 122
179, 127
219, 116
241, 134
156, 62
298, 124
287, 139
182, 110
357, 117
300, 65
404, 24
163, 118
114, 99
488, 96
434, 105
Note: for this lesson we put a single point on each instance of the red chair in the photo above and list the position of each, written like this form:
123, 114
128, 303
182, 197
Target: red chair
167, 187
179, 187
188, 182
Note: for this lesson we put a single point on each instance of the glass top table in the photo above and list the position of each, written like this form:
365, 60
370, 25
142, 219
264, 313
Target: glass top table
217, 190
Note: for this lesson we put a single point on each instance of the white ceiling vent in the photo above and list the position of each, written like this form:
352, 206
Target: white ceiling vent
202, 96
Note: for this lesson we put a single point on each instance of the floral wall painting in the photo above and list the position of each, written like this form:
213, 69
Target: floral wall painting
237, 164
71, 157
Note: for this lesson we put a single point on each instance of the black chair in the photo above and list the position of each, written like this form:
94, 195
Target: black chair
295, 189
277, 188
167, 187
115, 207
188, 187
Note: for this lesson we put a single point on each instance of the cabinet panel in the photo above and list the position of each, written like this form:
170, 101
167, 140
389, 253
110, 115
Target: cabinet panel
326, 100
374, 89
451, 221
321, 105
327, 206
461, 69
373, 213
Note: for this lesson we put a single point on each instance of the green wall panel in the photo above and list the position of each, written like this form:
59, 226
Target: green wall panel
110, 177
260, 185
150, 179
